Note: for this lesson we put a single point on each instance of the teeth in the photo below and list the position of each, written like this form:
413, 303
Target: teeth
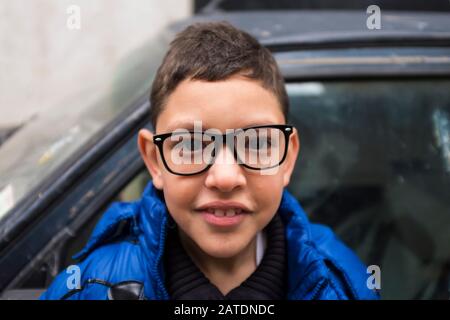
230, 212
219, 212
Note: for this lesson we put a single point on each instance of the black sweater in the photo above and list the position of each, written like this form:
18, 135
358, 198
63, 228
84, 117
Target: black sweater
185, 281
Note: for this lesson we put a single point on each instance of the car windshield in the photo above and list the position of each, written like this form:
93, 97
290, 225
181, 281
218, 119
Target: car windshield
32, 150
374, 165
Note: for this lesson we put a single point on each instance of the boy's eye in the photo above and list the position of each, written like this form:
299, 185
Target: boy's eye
258, 143
193, 145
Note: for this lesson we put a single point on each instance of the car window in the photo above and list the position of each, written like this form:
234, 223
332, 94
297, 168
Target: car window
374, 165
40, 146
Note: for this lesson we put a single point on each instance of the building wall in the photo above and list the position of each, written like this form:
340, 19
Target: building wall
43, 61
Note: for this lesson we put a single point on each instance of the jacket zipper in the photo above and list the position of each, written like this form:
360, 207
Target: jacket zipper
318, 289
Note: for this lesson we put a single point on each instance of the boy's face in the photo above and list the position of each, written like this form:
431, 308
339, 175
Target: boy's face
230, 104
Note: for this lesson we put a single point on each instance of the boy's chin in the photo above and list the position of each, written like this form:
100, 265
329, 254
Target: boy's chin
223, 251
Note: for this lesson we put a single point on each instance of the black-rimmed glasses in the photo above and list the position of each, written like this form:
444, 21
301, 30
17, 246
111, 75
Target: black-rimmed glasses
187, 153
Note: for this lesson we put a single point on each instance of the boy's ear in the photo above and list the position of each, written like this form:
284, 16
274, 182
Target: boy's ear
149, 154
291, 156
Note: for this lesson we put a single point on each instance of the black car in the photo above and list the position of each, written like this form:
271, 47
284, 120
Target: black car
372, 108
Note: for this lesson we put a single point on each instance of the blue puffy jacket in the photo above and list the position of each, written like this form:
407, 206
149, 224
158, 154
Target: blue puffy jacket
319, 265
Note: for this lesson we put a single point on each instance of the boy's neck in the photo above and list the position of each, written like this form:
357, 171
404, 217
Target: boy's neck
225, 273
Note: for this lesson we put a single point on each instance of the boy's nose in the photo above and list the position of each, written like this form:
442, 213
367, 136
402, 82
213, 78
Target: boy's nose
225, 174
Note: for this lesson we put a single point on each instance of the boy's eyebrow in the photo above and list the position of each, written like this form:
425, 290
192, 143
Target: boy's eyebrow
260, 122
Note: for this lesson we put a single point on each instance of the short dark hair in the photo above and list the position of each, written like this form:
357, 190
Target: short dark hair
214, 51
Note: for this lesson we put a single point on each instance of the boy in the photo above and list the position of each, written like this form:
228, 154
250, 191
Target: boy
216, 221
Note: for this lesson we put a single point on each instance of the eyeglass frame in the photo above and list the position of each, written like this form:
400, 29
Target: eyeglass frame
287, 130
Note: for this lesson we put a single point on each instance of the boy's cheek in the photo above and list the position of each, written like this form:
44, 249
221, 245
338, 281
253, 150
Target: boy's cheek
271, 183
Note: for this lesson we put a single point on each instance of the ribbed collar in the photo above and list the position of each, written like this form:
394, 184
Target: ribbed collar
185, 281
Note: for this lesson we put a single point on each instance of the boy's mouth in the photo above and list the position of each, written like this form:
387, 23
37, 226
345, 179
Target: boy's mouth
220, 213
230, 212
